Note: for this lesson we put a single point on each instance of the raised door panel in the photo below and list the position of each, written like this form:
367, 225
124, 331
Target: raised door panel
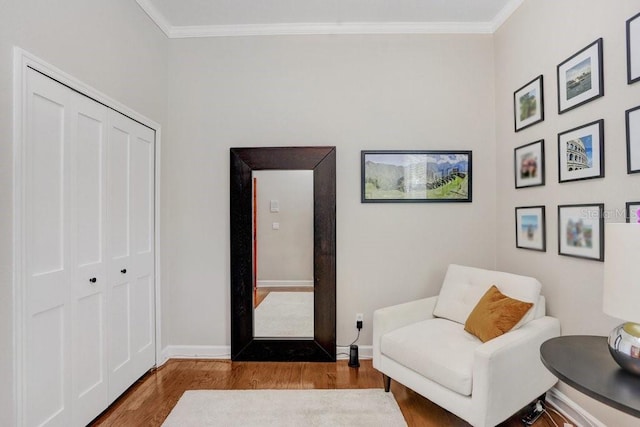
88, 211
46, 318
131, 252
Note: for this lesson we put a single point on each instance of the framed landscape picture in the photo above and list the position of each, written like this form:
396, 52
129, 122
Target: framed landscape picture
528, 162
632, 211
633, 49
581, 78
633, 139
581, 152
528, 104
416, 176
581, 231
530, 228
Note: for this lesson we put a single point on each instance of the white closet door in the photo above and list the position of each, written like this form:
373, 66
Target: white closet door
131, 252
89, 282
47, 355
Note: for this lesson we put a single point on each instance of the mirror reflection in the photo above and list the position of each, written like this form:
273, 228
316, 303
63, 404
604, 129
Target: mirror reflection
283, 253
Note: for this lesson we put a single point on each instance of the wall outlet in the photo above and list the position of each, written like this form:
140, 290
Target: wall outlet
359, 320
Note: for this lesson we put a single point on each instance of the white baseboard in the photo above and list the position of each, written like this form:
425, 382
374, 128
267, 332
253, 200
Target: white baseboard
571, 410
285, 283
223, 352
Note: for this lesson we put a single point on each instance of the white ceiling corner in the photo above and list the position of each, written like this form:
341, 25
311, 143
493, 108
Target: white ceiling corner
199, 19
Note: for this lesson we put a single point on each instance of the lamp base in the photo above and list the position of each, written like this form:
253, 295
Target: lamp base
624, 346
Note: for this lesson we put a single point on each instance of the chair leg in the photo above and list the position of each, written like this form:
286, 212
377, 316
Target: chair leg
387, 382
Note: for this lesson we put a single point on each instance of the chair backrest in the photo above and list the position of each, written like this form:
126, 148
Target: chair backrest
463, 287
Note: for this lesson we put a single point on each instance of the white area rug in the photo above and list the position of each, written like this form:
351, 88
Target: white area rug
285, 314
264, 408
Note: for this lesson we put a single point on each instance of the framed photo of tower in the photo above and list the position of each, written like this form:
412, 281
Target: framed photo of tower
528, 104
581, 78
581, 152
581, 231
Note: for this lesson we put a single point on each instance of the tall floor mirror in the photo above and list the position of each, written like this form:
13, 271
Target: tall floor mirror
283, 253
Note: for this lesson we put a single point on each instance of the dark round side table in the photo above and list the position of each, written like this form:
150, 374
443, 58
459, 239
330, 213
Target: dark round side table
584, 363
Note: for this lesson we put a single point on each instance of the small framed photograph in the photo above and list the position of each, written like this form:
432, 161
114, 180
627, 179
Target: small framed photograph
581, 231
415, 176
633, 49
632, 212
530, 228
581, 78
581, 152
528, 104
528, 162
633, 139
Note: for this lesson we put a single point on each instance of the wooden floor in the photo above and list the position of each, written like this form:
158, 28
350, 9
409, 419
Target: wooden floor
261, 293
149, 401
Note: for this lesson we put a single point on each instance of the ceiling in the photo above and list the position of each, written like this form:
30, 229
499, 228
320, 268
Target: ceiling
209, 18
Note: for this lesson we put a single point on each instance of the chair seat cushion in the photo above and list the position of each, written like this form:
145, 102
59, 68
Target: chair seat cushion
438, 349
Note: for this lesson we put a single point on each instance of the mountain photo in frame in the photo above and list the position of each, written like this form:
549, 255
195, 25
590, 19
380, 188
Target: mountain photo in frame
528, 104
418, 176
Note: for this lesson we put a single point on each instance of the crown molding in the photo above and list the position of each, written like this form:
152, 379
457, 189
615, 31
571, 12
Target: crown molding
329, 28
177, 32
156, 16
505, 13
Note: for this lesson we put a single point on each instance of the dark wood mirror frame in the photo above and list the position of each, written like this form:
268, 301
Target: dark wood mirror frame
244, 346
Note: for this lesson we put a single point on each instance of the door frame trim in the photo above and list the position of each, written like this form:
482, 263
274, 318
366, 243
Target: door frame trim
22, 61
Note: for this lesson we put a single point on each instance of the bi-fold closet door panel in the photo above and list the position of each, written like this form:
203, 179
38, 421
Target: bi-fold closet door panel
89, 303
131, 252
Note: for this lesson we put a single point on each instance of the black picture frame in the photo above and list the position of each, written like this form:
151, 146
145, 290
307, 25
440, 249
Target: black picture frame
528, 104
630, 215
580, 77
581, 152
633, 49
581, 231
531, 231
529, 165
416, 176
632, 123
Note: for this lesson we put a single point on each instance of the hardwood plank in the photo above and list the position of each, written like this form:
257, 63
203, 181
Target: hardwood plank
149, 401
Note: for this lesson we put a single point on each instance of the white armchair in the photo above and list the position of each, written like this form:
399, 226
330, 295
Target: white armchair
423, 345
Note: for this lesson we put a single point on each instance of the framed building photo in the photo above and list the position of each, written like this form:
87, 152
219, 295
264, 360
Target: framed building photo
528, 162
633, 139
632, 212
581, 231
528, 104
416, 176
581, 78
581, 152
530, 228
633, 49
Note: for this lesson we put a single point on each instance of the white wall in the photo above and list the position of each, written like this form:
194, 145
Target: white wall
354, 92
538, 36
110, 45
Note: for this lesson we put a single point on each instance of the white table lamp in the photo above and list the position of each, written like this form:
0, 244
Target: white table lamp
621, 292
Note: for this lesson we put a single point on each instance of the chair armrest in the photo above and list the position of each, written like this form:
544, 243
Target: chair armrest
508, 369
396, 316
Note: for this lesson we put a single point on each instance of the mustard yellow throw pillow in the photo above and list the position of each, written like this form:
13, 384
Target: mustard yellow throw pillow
495, 314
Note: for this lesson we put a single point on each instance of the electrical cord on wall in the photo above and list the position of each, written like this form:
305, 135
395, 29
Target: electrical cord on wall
354, 341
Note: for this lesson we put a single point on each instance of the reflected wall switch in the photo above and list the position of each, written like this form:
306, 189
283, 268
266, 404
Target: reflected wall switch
275, 226
274, 206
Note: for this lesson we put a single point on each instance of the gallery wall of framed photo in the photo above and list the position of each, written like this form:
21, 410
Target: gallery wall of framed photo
580, 150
